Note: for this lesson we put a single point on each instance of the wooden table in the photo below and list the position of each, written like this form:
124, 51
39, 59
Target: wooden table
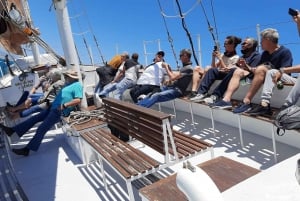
223, 171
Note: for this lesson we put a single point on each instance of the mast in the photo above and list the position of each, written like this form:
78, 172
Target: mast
66, 37
34, 45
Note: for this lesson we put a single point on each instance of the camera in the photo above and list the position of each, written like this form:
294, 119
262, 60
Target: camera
293, 12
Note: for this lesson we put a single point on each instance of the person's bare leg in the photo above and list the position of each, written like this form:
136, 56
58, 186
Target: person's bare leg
197, 74
234, 83
257, 82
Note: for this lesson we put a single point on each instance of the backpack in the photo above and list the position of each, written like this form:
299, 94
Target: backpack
287, 119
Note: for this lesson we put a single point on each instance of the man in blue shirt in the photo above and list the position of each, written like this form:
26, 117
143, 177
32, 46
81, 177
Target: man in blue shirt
69, 97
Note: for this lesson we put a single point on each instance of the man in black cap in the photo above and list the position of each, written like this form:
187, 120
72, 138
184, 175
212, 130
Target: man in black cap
151, 79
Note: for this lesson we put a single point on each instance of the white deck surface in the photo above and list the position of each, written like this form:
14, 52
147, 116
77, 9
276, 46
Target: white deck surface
277, 183
55, 173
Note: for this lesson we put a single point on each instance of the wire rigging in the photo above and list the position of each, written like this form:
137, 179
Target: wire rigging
169, 36
187, 31
210, 28
93, 34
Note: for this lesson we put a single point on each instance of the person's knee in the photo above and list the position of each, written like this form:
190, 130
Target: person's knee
238, 73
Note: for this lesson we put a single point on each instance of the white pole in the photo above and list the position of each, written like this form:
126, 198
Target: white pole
199, 50
66, 37
145, 53
258, 37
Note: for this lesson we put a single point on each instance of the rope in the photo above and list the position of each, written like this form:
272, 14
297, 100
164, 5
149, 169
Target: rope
81, 117
168, 33
211, 30
187, 32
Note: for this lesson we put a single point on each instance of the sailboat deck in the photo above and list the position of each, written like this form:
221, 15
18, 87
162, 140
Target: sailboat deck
56, 173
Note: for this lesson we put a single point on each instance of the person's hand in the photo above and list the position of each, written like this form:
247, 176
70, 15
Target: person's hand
165, 65
276, 77
217, 54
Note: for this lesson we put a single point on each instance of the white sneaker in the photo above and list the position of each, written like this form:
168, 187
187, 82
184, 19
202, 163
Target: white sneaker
97, 101
210, 100
141, 97
198, 98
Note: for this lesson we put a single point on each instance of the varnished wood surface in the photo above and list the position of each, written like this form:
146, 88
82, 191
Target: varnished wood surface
223, 171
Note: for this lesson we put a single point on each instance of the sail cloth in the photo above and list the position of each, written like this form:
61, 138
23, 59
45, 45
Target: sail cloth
12, 35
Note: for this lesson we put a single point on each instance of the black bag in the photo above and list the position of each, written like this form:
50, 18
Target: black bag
119, 134
3, 23
288, 119
106, 74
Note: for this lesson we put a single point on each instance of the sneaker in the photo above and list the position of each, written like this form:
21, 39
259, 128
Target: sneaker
242, 108
7, 130
261, 110
221, 104
23, 151
198, 98
211, 100
141, 97
192, 94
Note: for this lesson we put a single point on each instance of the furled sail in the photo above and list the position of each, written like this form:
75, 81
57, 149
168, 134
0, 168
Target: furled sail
12, 26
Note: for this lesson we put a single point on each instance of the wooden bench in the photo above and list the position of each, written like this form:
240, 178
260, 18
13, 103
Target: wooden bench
148, 126
223, 171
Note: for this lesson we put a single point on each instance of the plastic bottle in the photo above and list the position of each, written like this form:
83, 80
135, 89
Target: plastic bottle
280, 85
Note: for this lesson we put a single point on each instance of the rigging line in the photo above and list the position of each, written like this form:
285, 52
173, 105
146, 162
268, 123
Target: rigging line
187, 32
210, 28
184, 14
169, 36
90, 56
94, 36
214, 17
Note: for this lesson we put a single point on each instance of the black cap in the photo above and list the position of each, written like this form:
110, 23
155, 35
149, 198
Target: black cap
161, 53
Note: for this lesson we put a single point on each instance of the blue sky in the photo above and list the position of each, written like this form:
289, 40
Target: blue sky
138, 26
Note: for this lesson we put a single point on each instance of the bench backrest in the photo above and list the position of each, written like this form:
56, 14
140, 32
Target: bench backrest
144, 124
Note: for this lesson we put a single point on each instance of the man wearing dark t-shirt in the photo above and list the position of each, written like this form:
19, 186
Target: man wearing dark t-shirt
180, 81
273, 57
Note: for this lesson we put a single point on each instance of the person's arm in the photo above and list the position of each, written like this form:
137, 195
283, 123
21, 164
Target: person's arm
73, 102
297, 20
287, 70
172, 75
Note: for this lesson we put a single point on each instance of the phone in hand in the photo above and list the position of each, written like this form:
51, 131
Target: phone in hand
293, 12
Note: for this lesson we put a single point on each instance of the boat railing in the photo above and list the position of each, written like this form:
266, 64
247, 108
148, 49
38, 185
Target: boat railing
10, 188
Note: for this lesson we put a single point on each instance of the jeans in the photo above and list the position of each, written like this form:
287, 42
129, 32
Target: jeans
32, 110
124, 84
138, 90
48, 118
212, 75
168, 93
222, 87
108, 88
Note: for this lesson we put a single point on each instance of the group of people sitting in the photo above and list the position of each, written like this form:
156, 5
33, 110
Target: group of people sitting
264, 70
260, 69
61, 93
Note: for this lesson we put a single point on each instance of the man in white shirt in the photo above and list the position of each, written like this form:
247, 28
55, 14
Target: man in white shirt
151, 79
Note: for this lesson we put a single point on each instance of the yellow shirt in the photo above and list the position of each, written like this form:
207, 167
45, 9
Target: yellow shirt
115, 62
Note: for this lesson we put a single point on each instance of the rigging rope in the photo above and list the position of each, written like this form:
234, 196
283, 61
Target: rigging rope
81, 117
93, 34
211, 29
169, 36
187, 32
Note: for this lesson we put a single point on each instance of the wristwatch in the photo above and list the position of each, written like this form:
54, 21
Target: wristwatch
281, 70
